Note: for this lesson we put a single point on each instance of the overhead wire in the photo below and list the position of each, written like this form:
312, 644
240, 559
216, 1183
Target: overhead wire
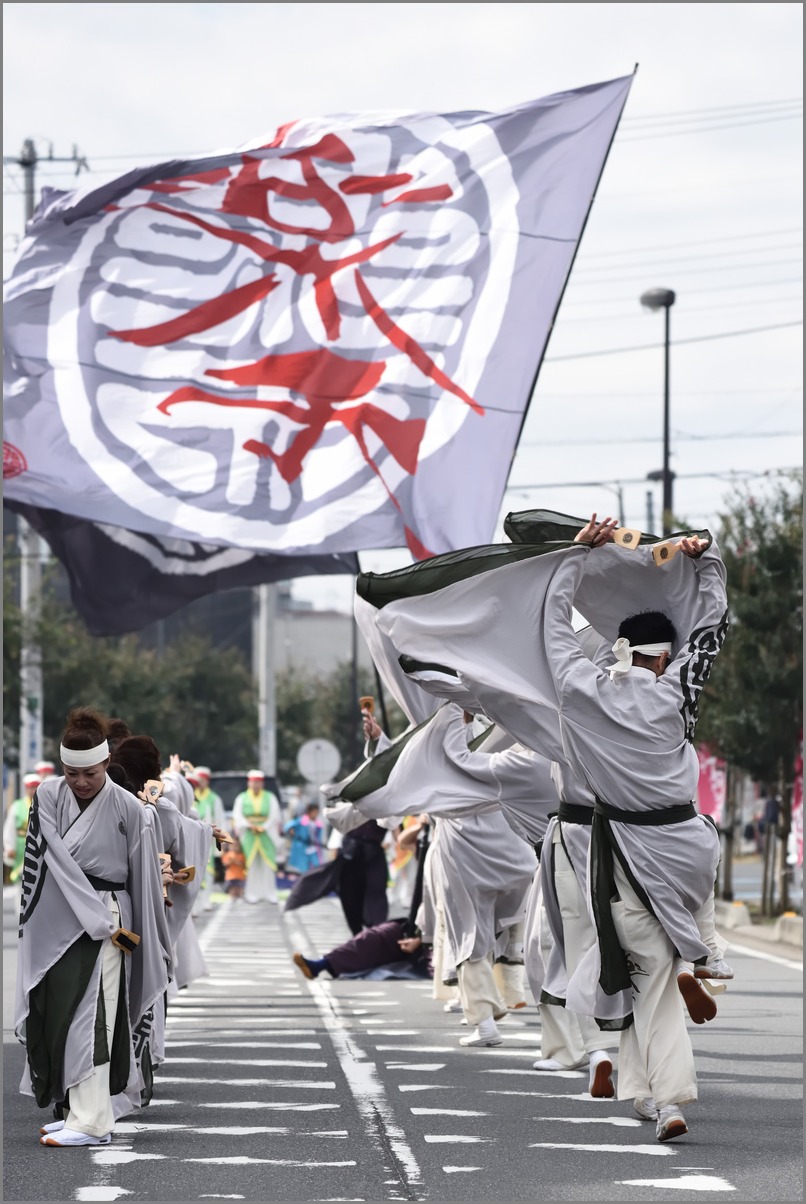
704, 338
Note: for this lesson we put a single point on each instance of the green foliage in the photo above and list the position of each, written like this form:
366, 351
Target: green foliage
752, 709
325, 707
195, 700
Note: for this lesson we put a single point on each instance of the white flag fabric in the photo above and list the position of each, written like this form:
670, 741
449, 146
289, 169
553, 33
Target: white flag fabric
321, 342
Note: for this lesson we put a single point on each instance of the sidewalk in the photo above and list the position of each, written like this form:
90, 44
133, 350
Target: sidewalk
780, 937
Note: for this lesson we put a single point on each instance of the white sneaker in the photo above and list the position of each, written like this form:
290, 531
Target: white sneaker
485, 1034
671, 1123
715, 967
553, 1064
646, 1108
453, 1005
601, 1075
70, 1137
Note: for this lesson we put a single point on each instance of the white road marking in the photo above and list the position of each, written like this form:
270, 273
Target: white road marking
365, 1085
274, 1106
389, 1032
293, 1083
415, 1066
446, 1112
245, 1062
653, 1150
624, 1122
134, 1127
246, 1045
458, 1170
246, 1160
424, 1087
583, 1095
685, 1182
457, 1138
415, 1049
553, 1074
766, 957
118, 1157
102, 1193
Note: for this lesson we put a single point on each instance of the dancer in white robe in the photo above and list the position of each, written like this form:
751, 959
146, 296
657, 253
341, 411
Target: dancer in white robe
186, 841
189, 963
91, 905
632, 747
480, 869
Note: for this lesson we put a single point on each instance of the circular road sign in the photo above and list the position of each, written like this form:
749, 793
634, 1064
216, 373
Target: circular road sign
318, 761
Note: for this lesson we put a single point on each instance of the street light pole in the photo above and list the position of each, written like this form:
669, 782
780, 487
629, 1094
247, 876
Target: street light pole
664, 298
667, 473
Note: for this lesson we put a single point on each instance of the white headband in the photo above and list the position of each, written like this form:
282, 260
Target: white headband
623, 650
82, 758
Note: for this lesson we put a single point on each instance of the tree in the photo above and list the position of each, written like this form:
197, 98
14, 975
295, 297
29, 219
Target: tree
295, 692
195, 699
325, 706
752, 712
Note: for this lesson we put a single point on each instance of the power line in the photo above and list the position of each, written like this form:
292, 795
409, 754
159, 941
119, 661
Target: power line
685, 310
702, 242
752, 104
683, 393
707, 129
699, 257
730, 474
688, 271
679, 437
717, 288
704, 338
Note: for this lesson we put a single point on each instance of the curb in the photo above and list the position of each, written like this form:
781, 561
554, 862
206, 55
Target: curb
785, 932
731, 915
789, 930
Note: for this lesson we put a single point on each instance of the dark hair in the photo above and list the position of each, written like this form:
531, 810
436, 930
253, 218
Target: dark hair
138, 759
118, 730
85, 728
648, 627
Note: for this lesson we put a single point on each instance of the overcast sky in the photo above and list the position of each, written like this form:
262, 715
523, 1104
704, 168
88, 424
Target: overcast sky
702, 193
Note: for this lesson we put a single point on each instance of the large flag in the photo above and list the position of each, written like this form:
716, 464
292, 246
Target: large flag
321, 342
120, 581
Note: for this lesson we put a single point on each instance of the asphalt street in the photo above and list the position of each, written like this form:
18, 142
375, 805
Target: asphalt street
275, 1088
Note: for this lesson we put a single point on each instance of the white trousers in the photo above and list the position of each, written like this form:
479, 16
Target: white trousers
568, 1036
655, 1054
261, 883
440, 990
90, 1101
488, 988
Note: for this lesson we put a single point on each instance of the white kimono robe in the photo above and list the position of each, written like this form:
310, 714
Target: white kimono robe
63, 921
502, 628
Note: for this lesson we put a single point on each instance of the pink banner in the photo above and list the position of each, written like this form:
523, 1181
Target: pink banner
712, 785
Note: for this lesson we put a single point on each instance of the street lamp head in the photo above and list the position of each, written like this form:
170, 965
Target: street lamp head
658, 298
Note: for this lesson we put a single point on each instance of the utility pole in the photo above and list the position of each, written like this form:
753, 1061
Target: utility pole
264, 664
29, 543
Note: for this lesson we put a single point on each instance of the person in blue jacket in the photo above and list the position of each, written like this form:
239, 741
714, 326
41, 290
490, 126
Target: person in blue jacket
307, 841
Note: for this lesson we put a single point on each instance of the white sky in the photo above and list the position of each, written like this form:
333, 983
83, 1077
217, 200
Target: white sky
707, 201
